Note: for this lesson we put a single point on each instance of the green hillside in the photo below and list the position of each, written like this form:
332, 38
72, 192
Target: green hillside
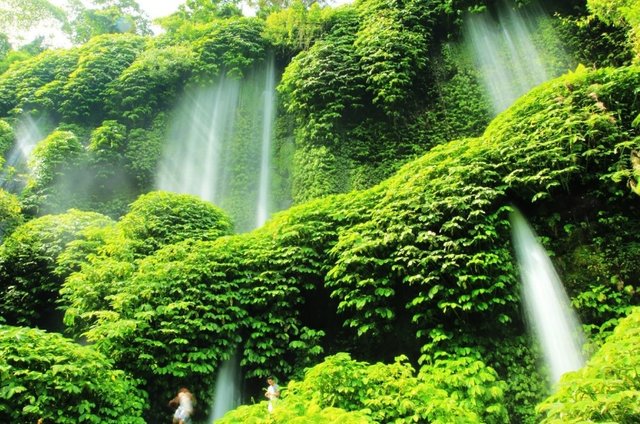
385, 289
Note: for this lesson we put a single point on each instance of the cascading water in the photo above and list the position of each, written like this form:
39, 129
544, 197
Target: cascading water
28, 134
227, 390
267, 135
201, 130
546, 303
219, 148
509, 63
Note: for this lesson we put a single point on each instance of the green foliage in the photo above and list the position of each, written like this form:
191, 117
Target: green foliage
621, 13
47, 378
54, 162
341, 387
143, 151
114, 17
475, 386
155, 220
459, 108
391, 46
518, 363
230, 46
151, 83
161, 218
423, 257
10, 213
22, 86
594, 43
6, 139
605, 294
310, 162
101, 61
324, 84
606, 389
297, 27
106, 159
28, 260
196, 12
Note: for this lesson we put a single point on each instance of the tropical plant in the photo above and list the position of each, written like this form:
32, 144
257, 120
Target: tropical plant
10, 214
343, 388
47, 378
55, 162
101, 61
28, 256
606, 389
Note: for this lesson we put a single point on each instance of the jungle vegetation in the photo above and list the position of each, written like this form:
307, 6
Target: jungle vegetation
385, 290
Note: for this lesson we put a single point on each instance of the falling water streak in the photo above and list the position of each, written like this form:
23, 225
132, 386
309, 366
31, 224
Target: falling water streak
546, 304
211, 167
265, 157
505, 54
27, 135
192, 158
227, 390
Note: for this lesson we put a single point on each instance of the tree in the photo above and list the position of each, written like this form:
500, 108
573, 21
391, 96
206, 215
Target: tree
55, 163
114, 16
24, 14
620, 13
47, 378
28, 257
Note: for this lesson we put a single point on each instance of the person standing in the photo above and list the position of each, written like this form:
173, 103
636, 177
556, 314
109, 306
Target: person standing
184, 400
272, 393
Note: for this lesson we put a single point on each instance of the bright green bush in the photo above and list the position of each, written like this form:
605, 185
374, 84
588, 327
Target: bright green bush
101, 61
342, 388
160, 218
229, 46
47, 378
392, 50
10, 213
150, 84
28, 283
19, 86
56, 182
6, 139
607, 389
155, 220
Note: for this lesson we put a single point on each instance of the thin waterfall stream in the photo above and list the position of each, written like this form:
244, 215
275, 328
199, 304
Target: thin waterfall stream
504, 52
547, 306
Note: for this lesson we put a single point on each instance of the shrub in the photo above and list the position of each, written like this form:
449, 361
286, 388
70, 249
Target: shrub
607, 389
47, 378
28, 283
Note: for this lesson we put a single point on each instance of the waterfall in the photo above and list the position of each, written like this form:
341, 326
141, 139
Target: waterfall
509, 63
547, 305
219, 146
267, 130
201, 128
28, 134
227, 389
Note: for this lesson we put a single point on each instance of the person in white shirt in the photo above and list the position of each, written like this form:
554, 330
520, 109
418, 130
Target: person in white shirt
184, 400
272, 393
